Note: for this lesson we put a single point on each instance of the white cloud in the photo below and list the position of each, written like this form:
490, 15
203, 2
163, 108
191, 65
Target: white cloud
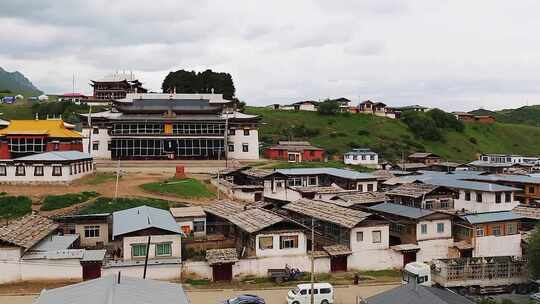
457, 55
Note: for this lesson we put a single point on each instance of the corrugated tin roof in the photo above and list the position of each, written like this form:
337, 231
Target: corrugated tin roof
468, 185
401, 210
487, 217
418, 294
348, 200
55, 254
143, 217
343, 173
422, 155
52, 128
94, 255
55, 242
107, 290
56, 156
327, 212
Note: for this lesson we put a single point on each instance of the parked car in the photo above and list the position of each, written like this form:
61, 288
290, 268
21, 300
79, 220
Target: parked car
323, 294
245, 299
535, 297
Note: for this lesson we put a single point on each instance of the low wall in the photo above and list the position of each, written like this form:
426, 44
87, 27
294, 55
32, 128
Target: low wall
155, 272
375, 260
13, 271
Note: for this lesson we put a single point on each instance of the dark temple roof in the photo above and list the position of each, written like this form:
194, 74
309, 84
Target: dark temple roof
164, 105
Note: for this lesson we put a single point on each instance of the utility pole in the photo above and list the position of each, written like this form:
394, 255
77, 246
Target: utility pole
90, 130
312, 259
117, 180
146, 258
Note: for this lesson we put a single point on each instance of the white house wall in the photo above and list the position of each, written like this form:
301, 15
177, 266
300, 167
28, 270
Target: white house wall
260, 266
497, 246
63, 269
154, 272
348, 159
92, 241
47, 178
373, 256
103, 140
488, 202
276, 251
175, 241
432, 230
434, 249
238, 139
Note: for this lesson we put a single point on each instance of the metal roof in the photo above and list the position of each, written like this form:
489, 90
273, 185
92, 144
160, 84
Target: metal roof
56, 156
487, 217
413, 190
348, 200
468, 185
55, 242
417, 294
248, 218
107, 290
53, 128
327, 212
94, 255
343, 173
401, 210
508, 178
143, 217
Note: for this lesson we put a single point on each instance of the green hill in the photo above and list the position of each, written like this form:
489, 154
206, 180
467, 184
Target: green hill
16, 83
392, 138
528, 115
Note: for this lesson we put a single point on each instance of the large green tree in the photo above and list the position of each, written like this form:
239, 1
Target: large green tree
200, 82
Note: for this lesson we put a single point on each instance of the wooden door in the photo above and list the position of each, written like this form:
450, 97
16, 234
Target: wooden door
91, 271
222, 272
338, 263
409, 257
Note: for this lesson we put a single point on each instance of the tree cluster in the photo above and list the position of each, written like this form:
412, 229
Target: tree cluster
200, 82
328, 107
430, 125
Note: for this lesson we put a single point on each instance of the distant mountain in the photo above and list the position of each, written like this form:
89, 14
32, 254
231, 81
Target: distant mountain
528, 115
16, 83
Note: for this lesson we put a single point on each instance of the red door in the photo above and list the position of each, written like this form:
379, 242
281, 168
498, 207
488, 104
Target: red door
91, 271
409, 257
222, 272
338, 263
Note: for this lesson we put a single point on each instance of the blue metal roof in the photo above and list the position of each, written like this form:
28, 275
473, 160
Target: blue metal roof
343, 173
56, 156
143, 217
487, 217
401, 210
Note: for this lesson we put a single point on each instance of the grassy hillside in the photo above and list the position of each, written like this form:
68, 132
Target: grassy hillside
339, 133
529, 115
17, 83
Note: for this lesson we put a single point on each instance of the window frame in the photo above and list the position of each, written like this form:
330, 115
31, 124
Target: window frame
41, 173
3, 170
374, 239
54, 172
285, 239
440, 227
92, 231
245, 148
158, 245
423, 229
142, 247
197, 225
361, 234
267, 237
18, 173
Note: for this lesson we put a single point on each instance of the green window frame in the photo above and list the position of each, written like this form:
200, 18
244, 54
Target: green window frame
138, 250
163, 249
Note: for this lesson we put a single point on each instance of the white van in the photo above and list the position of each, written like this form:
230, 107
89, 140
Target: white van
323, 294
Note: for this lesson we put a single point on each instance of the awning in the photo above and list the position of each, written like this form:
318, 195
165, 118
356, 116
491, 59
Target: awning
336, 250
463, 245
405, 247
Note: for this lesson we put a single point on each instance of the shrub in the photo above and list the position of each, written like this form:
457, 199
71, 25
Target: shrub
473, 140
328, 107
363, 132
108, 204
14, 206
422, 125
53, 202
445, 120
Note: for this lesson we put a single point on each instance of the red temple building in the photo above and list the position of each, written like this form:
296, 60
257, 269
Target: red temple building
26, 137
116, 86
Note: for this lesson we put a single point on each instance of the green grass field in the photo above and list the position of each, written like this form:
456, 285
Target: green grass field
185, 188
108, 204
99, 178
19, 110
392, 138
14, 206
53, 202
329, 164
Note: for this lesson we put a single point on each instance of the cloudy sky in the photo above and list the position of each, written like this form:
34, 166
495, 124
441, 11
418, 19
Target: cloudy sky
457, 55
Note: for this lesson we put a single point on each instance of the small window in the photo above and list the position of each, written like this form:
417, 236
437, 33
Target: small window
372, 157
138, 250
198, 226
440, 227
370, 187
20, 170
508, 197
359, 236
303, 292
231, 148
109, 145
56, 146
479, 232
3, 170
232, 131
246, 132
95, 131
245, 148
95, 145
91, 231
163, 249
57, 171
498, 198
289, 241
496, 230
376, 235
423, 228
478, 197
326, 290
312, 180
38, 171
266, 242
360, 187
511, 229
531, 189
467, 195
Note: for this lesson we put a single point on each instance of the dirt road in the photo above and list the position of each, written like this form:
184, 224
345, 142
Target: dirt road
344, 295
